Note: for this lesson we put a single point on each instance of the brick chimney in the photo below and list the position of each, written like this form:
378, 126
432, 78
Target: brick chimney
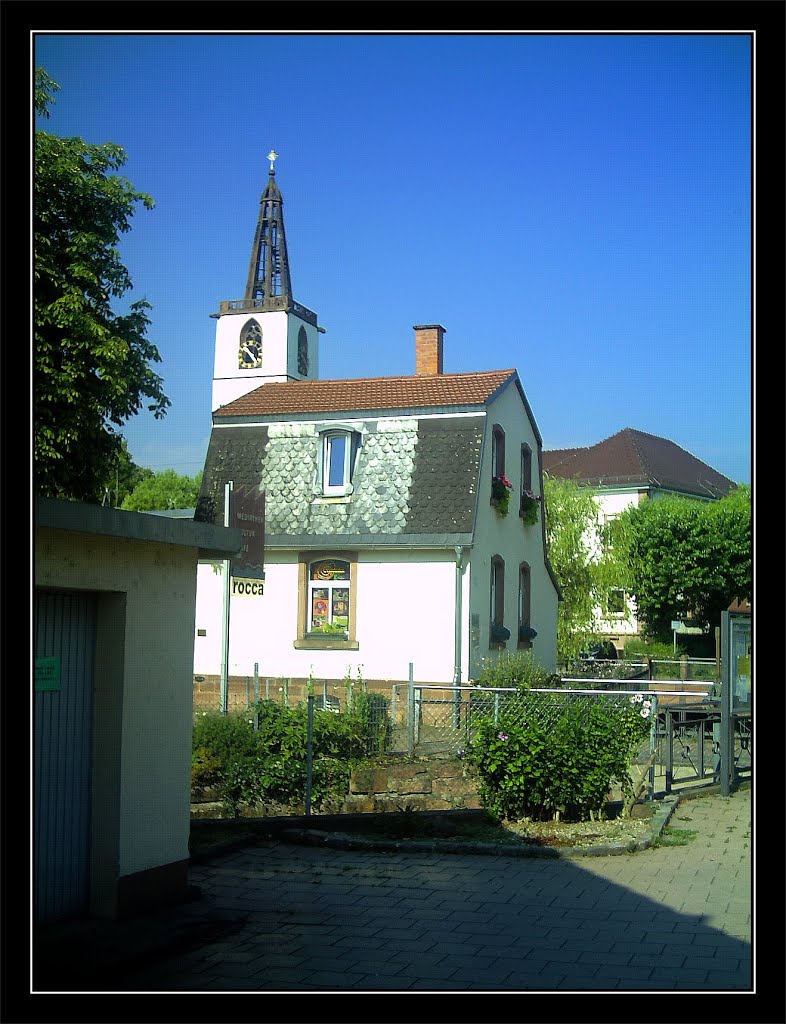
428, 349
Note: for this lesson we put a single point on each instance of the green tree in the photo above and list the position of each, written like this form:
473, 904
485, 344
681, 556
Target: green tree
688, 558
586, 560
91, 365
165, 490
122, 478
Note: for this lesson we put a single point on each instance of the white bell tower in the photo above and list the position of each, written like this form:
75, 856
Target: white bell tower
266, 336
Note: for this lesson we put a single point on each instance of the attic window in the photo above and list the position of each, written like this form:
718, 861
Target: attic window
338, 456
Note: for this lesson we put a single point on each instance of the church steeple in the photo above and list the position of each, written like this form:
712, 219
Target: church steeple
266, 335
269, 285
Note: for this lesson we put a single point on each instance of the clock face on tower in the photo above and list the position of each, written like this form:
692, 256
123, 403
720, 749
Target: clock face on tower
249, 356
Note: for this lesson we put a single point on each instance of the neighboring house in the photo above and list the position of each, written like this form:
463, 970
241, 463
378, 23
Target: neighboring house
382, 545
114, 607
626, 469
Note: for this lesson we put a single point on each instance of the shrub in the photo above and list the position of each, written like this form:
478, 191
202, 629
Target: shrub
205, 770
528, 769
371, 713
224, 736
640, 650
517, 669
269, 764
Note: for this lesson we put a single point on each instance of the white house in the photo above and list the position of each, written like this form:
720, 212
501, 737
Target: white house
382, 544
626, 469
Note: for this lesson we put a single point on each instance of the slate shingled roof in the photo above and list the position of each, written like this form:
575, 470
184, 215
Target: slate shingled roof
368, 393
633, 458
414, 478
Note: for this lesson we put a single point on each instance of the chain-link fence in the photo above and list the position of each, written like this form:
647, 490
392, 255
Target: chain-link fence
432, 720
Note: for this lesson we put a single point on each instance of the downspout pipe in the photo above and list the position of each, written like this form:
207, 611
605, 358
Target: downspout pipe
459, 549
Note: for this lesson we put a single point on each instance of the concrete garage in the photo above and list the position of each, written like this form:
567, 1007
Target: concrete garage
114, 602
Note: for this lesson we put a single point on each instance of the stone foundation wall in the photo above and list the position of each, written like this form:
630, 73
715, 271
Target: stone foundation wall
427, 785
433, 785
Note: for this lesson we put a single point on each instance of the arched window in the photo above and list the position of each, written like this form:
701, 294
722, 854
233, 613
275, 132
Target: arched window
302, 352
339, 448
526, 632
526, 468
328, 597
497, 450
249, 355
498, 634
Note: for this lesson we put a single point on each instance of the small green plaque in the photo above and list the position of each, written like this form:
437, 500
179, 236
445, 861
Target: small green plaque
47, 674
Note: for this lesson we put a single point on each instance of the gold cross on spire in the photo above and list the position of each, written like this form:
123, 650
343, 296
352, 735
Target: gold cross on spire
272, 157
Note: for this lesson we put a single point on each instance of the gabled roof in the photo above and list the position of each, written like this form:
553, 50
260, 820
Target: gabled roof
368, 394
633, 458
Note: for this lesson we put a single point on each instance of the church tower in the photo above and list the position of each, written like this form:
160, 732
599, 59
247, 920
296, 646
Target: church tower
266, 336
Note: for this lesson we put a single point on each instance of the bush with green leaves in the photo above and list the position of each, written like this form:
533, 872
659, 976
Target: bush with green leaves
371, 711
517, 670
269, 763
640, 650
527, 768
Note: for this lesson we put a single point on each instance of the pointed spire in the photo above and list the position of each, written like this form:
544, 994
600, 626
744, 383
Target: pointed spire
269, 285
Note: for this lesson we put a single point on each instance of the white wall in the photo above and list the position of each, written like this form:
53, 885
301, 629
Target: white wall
405, 606
511, 539
156, 688
279, 353
229, 381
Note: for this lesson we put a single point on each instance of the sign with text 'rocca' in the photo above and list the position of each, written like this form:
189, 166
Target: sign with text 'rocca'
248, 516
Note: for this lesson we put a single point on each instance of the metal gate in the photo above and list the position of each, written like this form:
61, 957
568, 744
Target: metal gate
65, 626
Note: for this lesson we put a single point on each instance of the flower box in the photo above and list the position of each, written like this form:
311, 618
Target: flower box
528, 509
500, 494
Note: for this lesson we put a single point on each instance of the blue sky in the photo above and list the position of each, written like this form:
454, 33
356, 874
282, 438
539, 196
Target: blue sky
575, 206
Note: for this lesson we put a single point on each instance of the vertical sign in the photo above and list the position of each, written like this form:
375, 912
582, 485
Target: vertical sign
248, 516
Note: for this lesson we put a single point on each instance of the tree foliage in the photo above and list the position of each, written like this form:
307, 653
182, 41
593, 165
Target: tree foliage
688, 558
585, 559
161, 491
91, 364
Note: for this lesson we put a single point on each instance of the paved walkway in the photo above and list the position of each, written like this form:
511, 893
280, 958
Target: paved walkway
289, 918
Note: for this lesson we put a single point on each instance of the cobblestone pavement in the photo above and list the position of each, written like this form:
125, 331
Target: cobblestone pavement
289, 918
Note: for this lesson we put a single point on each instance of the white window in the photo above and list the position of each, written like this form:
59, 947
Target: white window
615, 605
328, 597
337, 461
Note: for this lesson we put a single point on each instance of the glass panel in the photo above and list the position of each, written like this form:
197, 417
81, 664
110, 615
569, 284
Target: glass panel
341, 606
337, 447
741, 660
319, 607
330, 569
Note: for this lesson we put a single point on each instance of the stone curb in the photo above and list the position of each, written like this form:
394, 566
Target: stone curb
345, 841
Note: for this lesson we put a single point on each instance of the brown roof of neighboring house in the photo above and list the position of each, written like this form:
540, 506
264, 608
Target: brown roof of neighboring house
366, 393
631, 457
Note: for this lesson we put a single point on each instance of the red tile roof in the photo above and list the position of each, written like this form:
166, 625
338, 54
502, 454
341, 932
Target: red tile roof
634, 458
368, 393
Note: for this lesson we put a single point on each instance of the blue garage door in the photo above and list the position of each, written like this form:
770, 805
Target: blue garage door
65, 626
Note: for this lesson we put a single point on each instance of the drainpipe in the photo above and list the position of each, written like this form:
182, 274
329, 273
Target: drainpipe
457, 637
